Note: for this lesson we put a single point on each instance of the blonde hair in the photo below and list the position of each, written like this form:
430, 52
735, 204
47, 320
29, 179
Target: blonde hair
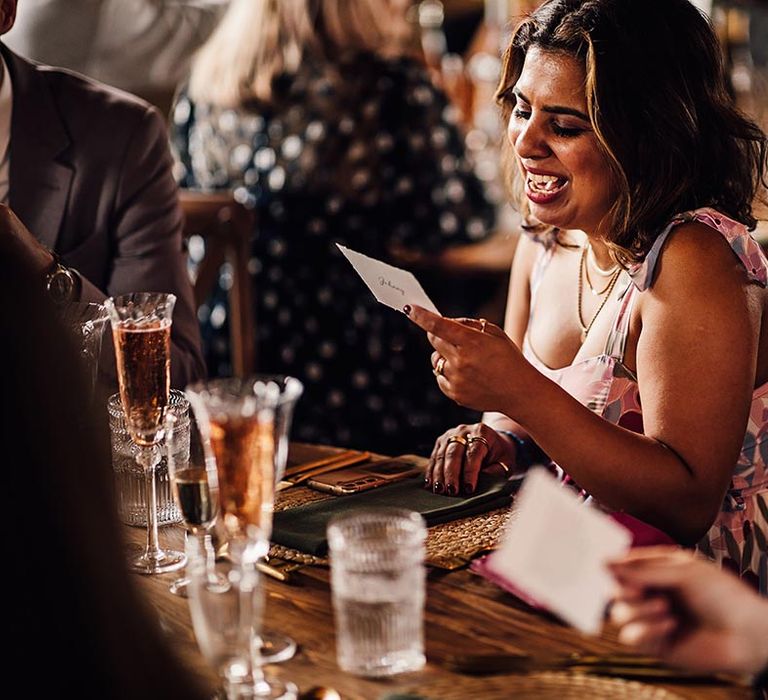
259, 39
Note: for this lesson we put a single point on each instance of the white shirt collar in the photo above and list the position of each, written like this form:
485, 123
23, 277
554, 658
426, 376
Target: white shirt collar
6, 110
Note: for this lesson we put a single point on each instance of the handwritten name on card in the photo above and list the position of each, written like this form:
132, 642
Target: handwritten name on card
390, 285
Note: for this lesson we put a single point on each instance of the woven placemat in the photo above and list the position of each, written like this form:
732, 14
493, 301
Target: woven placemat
449, 545
550, 685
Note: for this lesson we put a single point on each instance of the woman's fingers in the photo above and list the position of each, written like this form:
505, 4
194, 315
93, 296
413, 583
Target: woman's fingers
651, 636
477, 450
444, 328
452, 465
624, 612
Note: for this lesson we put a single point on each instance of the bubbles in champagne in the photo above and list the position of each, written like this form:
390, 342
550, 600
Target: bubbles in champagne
245, 449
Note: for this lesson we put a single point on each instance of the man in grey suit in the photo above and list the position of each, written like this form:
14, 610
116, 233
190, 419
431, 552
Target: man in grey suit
85, 171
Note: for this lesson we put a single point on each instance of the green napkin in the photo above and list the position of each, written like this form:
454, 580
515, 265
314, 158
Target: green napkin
303, 528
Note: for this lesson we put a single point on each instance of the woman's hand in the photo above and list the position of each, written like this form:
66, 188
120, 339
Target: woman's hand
689, 612
476, 363
461, 453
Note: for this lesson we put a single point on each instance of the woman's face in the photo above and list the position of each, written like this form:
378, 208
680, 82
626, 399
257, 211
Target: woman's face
567, 180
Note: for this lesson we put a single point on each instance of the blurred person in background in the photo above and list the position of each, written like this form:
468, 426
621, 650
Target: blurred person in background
311, 114
76, 624
688, 612
141, 46
88, 196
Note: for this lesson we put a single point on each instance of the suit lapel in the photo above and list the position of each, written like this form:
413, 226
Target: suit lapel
40, 178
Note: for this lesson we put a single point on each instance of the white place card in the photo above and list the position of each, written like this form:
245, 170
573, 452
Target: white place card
390, 285
554, 551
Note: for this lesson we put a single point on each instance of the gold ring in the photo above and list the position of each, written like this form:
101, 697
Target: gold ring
439, 366
477, 438
457, 438
483, 322
503, 466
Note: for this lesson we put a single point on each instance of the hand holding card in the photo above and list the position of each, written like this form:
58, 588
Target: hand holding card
554, 551
390, 285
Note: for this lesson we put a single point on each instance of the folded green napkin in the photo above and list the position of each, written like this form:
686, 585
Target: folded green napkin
303, 528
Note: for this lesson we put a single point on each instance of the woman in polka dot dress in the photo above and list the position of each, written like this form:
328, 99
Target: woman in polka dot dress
316, 123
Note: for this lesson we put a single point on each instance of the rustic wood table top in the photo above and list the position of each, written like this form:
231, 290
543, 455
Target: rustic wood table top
464, 614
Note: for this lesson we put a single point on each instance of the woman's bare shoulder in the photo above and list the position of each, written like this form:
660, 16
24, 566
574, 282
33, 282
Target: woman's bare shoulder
696, 256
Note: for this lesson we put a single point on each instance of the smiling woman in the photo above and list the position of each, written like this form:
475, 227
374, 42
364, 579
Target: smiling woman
636, 175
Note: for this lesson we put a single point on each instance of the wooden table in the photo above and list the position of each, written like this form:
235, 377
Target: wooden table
464, 614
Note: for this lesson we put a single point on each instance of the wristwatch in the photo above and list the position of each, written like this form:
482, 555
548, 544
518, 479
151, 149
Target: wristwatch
63, 284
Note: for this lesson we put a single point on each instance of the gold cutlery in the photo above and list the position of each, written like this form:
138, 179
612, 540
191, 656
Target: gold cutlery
300, 473
330, 459
278, 569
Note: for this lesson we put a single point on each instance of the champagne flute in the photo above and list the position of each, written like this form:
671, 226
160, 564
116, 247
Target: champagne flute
141, 330
195, 488
244, 422
227, 618
276, 646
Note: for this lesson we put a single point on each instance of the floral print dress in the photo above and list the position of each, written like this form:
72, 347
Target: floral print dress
738, 539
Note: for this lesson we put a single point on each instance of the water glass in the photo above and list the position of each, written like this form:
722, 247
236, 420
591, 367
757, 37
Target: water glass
378, 586
129, 476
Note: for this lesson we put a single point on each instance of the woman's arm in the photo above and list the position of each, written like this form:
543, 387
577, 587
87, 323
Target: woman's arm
696, 366
516, 316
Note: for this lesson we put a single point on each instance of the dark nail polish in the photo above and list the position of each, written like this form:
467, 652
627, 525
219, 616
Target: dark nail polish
438, 487
407, 309
450, 489
468, 489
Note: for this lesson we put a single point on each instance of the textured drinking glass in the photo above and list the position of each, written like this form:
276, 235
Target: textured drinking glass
129, 476
226, 616
378, 587
141, 330
248, 422
86, 322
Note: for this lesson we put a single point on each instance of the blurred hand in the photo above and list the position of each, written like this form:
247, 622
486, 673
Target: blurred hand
482, 368
689, 612
14, 234
461, 453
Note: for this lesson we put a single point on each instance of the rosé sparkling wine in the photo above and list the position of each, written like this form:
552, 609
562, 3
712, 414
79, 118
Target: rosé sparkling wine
143, 353
245, 449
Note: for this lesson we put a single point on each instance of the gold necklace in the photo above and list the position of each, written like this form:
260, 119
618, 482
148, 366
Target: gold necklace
611, 284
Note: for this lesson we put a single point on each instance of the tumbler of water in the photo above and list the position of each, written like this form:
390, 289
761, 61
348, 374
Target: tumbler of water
378, 586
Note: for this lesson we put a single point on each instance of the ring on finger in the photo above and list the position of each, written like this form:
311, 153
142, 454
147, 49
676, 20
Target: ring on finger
458, 438
439, 366
477, 438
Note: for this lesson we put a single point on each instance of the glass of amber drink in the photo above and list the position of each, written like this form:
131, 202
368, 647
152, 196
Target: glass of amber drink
248, 423
141, 330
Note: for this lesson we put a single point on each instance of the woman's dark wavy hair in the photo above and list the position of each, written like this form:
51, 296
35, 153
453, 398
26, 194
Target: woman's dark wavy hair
659, 104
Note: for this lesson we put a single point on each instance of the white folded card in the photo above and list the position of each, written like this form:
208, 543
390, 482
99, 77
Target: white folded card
554, 551
390, 285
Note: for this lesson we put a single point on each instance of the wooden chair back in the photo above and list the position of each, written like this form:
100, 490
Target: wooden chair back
225, 227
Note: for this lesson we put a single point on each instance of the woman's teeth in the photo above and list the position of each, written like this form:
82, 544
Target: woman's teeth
545, 183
